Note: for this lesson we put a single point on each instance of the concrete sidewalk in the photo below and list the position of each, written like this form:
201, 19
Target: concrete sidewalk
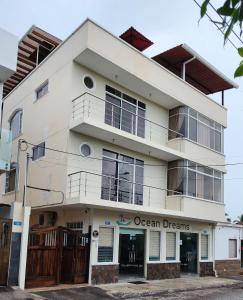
166, 286
135, 291
7, 293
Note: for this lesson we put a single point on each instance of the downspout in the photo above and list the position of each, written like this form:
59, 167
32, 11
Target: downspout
183, 73
213, 246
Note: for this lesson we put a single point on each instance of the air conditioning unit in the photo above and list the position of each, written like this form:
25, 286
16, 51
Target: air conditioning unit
47, 219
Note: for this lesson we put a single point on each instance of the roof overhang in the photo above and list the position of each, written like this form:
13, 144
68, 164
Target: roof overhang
198, 72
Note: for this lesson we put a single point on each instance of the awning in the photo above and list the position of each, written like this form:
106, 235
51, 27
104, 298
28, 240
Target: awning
136, 39
33, 48
198, 72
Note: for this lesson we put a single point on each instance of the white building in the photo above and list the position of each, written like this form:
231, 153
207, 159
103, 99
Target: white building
126, 154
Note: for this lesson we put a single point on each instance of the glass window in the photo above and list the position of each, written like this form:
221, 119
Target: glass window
85, 150
124, 112
170, 246
200, 129
105, 244
191, 183
10, 179
192, 129
42, 90
232, 248
204, 246
38, 151
154, 245
176, 181
16, 124
188, 178
122, 178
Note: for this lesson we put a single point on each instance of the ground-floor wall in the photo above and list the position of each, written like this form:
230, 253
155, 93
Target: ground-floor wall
107, 269
228, 249
160, 238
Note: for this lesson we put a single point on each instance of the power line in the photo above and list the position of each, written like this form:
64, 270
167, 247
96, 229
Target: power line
226, 23
124, 162
216, 25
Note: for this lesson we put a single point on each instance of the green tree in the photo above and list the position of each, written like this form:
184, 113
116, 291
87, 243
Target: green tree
231, 12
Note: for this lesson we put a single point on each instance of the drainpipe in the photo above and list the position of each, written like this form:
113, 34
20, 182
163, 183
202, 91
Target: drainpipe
213, 249
183, 73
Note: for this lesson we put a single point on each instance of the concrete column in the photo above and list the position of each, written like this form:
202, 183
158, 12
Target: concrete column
24, 247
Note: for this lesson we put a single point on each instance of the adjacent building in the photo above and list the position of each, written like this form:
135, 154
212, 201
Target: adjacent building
120, 157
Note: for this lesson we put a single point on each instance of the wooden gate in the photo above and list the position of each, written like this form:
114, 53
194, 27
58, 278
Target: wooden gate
5, 241
55, 256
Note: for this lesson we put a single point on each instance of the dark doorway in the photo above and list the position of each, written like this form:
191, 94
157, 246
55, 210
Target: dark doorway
5, 241
241, 248
188, 252
131, 252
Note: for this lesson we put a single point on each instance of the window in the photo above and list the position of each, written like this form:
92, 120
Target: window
188, 178
75, 225
124, 112
170, 246
232, 248
122, 178
186, 122
85, 150
38, 151
42, 90
204, 246
16, 124
88, 82
154, 246
105, 244
10, 178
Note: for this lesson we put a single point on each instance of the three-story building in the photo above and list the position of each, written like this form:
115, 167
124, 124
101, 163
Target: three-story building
120, 157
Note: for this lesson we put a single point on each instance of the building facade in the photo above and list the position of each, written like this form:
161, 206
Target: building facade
120, 158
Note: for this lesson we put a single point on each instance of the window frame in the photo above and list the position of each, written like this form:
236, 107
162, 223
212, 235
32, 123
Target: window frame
20, 128
236, 248
7, 176
118, 161
120, 97
39, 88
189, 113
189, 166
167, 258
160, 240
204, 257
113, 245
38, 147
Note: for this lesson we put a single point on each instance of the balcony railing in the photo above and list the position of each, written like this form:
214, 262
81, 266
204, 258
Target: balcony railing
88, 105
92, 187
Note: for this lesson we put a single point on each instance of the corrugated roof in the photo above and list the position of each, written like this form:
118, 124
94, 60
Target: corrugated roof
198, 72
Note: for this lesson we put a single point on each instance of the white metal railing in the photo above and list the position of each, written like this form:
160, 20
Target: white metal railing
88, 105
90, 187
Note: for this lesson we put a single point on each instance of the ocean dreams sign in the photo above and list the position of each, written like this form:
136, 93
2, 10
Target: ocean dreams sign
144, 222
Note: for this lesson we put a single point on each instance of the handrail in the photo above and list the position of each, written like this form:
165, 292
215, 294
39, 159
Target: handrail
112, 177
141, 117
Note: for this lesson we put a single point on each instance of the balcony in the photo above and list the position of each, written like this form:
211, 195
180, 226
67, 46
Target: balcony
99, 118
102, 119
100, 191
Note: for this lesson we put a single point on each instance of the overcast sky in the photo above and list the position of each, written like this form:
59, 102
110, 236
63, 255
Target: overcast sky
166, 23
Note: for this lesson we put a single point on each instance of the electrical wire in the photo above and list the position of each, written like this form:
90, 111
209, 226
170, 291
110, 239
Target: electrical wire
217, 26
145, 164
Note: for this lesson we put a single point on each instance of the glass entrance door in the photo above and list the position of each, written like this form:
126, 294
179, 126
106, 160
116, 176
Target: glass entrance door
131, 252
188, 252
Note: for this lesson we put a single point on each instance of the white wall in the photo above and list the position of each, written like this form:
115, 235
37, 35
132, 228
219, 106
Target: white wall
8, 54
222, 235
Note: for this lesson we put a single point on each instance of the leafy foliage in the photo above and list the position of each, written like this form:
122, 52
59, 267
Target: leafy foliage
232, 15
